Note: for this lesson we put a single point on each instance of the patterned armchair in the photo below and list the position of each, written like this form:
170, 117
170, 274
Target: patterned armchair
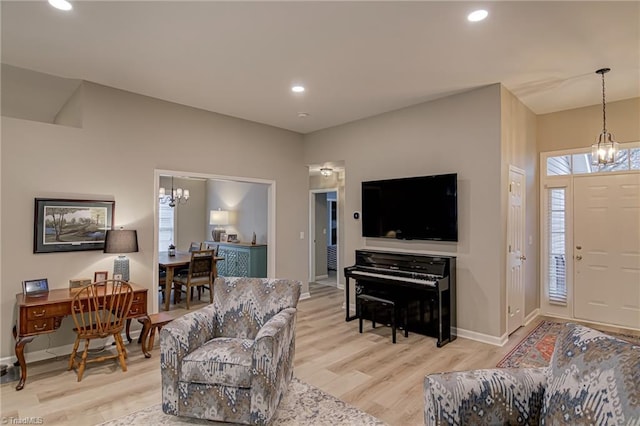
593, 378
232, 360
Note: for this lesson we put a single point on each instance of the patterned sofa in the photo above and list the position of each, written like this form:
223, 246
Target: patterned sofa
232, 360
593, 379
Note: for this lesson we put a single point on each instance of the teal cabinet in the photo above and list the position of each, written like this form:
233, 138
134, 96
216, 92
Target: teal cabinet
242, 260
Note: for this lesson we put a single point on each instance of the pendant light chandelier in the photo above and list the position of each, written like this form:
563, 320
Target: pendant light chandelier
176, 196
604, 151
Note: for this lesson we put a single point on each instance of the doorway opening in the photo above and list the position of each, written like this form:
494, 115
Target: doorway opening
323, 231
196, 225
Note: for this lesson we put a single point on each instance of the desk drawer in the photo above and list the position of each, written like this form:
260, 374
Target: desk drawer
42, 325
47, 311
137, 309
139, 299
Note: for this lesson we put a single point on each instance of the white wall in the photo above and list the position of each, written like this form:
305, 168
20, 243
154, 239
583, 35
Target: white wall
458, 134
125, 137
247, 204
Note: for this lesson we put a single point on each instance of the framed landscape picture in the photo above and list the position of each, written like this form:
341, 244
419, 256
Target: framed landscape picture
71, 225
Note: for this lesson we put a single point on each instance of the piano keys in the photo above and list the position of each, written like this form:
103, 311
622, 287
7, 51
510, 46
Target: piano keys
425, 283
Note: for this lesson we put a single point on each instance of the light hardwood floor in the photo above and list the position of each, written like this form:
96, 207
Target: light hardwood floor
366, 370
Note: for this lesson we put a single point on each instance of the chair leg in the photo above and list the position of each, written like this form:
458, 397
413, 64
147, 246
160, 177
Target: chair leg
72, 359
121, 351
83, 360
210, 292
186, 295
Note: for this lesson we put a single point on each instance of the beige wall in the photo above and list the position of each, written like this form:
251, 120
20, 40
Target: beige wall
519, 148
125, 137
579, 128
458, 134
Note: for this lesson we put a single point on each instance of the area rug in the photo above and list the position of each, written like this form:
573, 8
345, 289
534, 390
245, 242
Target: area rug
536, 349
303, 405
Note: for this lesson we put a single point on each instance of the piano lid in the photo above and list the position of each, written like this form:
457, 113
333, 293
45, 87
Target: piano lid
409, 262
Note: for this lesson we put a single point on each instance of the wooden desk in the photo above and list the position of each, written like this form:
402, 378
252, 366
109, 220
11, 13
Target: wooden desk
180, 260
43, 315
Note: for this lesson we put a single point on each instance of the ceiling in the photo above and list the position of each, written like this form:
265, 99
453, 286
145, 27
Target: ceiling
356, 59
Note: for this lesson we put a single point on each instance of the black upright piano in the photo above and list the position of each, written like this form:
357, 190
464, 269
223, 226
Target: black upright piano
426, 284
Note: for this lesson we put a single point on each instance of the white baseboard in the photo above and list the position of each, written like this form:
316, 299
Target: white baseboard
533, 315
484, 338
65, 350
305, 295
340, 286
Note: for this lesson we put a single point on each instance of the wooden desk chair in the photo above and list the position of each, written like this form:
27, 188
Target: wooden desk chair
200, 275
99, 310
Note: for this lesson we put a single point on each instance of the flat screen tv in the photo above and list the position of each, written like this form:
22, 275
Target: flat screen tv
414, 208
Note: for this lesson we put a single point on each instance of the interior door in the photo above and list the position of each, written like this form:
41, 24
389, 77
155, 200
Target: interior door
515, 250
607, 248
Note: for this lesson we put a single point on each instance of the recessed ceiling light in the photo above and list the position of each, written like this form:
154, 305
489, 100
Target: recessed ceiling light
477, 15
297, 89
303, 114
61, 4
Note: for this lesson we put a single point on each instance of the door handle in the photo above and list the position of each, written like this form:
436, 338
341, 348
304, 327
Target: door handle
523, 257
578, 257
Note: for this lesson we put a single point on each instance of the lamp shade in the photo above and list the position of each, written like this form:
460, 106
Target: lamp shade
218, 217
121, 241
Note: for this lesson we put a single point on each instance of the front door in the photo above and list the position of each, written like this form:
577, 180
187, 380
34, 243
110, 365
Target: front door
607, 248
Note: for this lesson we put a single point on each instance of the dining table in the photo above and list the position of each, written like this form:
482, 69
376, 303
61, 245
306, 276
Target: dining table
180, 259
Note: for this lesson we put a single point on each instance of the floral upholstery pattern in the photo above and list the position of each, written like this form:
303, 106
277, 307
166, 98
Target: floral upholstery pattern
494, 396
593, 378
232, 360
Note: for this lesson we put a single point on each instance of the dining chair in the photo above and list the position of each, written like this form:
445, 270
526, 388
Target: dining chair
200, 275
99, 310
195, 246
162, 279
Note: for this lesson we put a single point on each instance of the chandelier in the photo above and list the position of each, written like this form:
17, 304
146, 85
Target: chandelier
604, 151
326, 171
176, 196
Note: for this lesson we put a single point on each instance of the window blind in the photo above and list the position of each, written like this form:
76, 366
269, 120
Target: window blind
165, 227
556, 249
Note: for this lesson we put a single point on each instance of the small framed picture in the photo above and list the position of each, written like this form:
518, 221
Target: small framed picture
100, 276
232, 238
223, 237
39, 287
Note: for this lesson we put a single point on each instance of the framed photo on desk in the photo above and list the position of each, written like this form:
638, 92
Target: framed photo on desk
38, 287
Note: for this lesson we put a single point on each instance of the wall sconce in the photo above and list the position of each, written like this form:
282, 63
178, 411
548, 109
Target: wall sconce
218, 218
121, 241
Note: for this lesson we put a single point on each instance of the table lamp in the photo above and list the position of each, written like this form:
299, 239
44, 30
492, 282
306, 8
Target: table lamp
219, 218
121, 241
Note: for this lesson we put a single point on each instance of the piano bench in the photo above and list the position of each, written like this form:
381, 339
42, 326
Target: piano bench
376, 303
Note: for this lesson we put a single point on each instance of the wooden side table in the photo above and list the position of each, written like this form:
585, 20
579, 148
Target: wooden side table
152, 323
